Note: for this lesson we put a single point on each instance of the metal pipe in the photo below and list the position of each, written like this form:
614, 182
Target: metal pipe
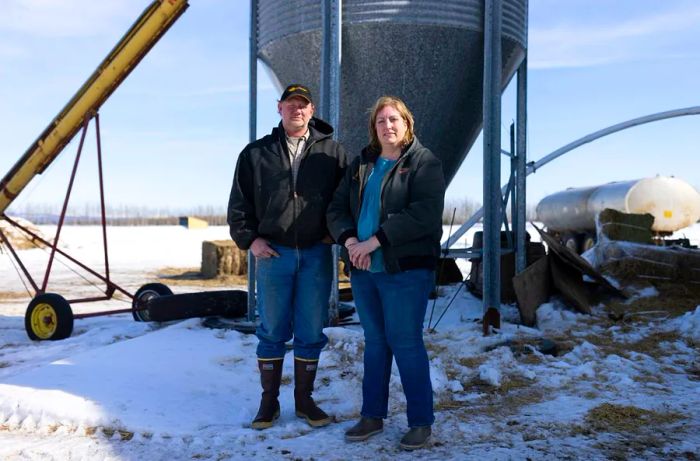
330, 107
252, 133
492, 157
513, 196
695, 110
97, 314
111, 286
62, 217
93, 299
330, 62
520, 174
510, 191
102, 194
253, 73
336, 43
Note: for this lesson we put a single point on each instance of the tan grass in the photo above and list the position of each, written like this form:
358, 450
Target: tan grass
673, 300
472, 362
650, 344
608, 417
532, 359
124, 435
648, 377
14, 295
435, 349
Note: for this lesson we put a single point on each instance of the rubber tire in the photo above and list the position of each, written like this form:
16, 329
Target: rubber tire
64, 316
143, 295
226, 303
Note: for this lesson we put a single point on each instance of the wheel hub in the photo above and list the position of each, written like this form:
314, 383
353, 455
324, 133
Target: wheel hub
44, 320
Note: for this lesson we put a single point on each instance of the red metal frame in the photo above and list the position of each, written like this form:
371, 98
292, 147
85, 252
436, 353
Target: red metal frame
110, 287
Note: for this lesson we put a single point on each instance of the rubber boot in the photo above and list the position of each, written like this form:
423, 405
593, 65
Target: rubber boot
270, 379
304, 376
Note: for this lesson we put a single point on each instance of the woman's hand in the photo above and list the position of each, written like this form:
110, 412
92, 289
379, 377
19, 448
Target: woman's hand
351, 241
359, 262
360, 251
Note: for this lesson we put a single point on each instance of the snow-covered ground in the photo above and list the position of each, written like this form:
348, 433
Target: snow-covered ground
118, 389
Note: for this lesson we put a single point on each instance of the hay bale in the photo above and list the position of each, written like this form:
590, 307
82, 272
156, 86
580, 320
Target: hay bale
18, 239
628, 227
222, 258
637, 264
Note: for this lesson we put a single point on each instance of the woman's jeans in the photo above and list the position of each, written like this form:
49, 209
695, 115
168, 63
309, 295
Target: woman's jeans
392, 309
293, 293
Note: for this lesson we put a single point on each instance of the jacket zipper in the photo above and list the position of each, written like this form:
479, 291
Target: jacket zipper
295, 195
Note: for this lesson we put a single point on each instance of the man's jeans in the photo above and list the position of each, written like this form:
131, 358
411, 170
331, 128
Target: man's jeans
293, 292
392, 309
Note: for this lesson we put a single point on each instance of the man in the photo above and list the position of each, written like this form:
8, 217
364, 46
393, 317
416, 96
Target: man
281, 189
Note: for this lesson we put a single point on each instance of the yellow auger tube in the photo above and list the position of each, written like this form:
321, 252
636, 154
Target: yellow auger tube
125, 56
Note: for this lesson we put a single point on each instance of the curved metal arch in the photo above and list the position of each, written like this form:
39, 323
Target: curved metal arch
532, 167
694, 110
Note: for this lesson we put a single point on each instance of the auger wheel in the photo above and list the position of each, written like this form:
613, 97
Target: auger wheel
48, 317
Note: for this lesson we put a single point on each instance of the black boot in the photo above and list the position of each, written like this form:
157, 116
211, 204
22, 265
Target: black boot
270, 378
304, 376
364, 429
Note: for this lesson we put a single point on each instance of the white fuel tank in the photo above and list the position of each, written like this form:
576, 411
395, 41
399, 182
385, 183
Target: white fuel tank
674, 203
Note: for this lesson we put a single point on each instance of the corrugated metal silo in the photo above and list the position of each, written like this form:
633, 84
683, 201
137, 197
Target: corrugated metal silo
428, 52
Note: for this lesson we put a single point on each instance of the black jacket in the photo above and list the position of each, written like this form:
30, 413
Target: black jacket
412, 198
263, 202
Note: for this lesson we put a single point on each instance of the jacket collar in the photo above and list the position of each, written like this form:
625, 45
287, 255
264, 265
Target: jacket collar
318, 129
369, 155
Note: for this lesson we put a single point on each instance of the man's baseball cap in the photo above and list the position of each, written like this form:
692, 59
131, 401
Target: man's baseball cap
296, 89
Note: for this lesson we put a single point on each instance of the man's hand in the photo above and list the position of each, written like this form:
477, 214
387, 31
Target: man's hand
262, 249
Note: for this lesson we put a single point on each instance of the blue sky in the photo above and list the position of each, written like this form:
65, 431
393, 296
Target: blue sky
172, 131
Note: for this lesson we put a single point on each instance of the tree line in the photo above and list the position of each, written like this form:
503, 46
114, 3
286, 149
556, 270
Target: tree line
139, 215
117, 215
464, 208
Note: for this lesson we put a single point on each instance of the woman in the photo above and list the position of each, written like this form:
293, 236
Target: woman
387, 212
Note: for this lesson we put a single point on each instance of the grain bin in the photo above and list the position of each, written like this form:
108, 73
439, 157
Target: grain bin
427, 52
